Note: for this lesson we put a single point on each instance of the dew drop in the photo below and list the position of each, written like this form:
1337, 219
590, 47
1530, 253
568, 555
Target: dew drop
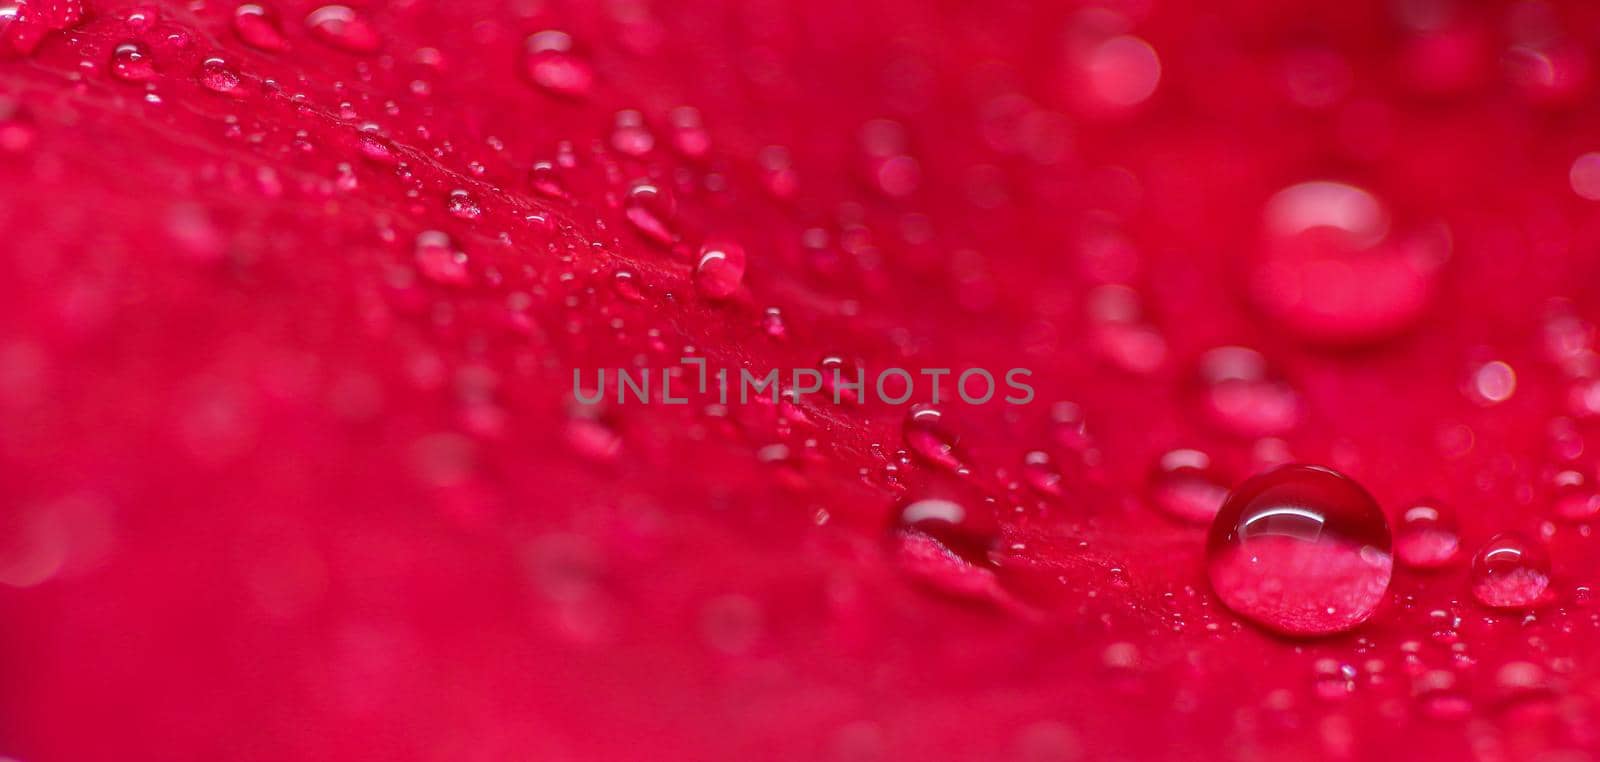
19, 35
218, 78
1511, 572
1123, 71
1041, 473
461, 205
545, 179
970, 534
929, 438
689, 136
341, 27
1185, 486
549, 62
1492, 383
720, 269
1241, 397
651, 210
1426, 537
630, 135
439, 261
258, 27
131, 62
1574, 498
1439, 698
1300, 550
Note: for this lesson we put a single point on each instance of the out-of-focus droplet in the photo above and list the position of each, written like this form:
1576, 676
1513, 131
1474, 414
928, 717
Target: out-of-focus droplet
1511, 572
438, 259
258, 27
630, 135
549, 62
651, 210
721, 268
1300, 550
1042, 474
1185, 486
1426, 537
1331, 271
218, 77
929, 438
889, 168
1574, 497
131, 62
545, 178
1242, 397
1439, 698
1122, 71
341, 27
19, 34
772, 323
1584, 176
17, 131
1120, 333
1492, 383
689, 136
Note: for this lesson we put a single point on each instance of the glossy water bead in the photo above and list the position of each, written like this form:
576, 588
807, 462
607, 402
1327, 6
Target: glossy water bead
1511, 572
1300, 550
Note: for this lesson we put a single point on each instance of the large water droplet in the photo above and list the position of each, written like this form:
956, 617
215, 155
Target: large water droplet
1511, 572
549, 62
1185, 486
1426, 537
970, 534
343, 28
1300, 550
218, 78
720, 269
131, 62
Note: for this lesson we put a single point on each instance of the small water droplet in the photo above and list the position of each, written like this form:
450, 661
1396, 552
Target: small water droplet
258, 27
1511, 572
1574, 498
1042, 474
1426, 537
720, 269
1492, 383
630, 136
689, 136
218, 78
461, 205
1439, 698
341, 27
772, 323
439, 261
928, 437
549, 62
1300, 550
651, 210
1185, 486
545, 178
131, 62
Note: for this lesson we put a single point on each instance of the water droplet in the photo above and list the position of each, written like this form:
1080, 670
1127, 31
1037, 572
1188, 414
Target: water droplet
1439, 698
1574, 498
1426, 537
258, 27
19, 35
928, 437
550, 63
1330, 270
772, 323
439, 261
721, 268
1120, 333
1240, 396
651, 210
1185, 486
546, 180
1492, 383
17, 132
1511, 572
630, 136
461, 205
970, 534
689, 136
1039, 470
218, 78
1300, 550
131, 62
1123, 71
341, 27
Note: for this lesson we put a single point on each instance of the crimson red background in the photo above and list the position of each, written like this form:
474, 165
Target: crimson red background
270, 490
